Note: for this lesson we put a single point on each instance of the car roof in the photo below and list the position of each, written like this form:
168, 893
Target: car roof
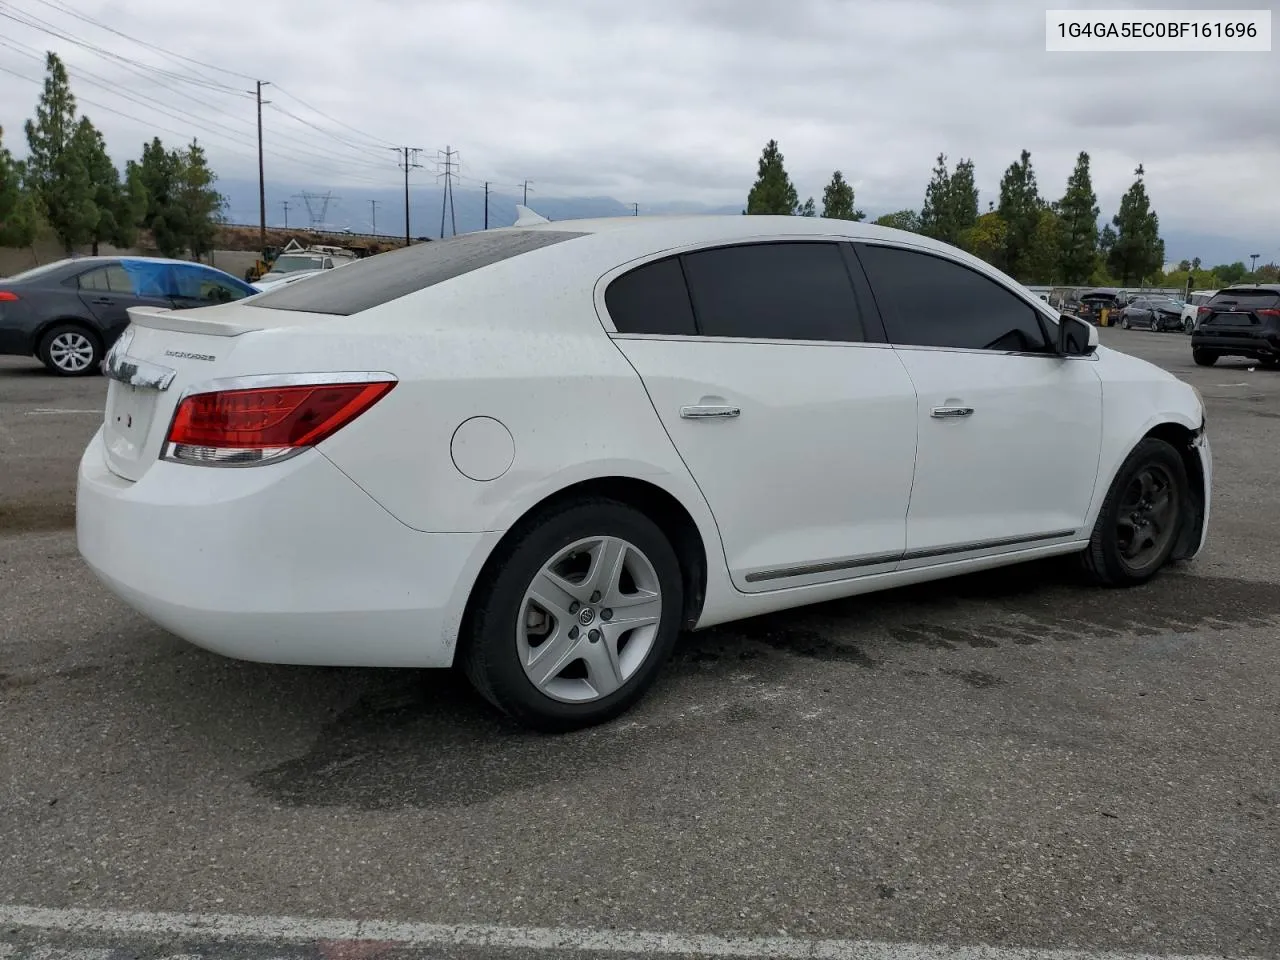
1269, 287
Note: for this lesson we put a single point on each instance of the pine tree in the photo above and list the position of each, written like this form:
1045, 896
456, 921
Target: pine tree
17, 209
962, 202
56, 171
1138, 251
115, 223
808, 209
201, 204
933, 215
837, 200
1045, 252
1019, 207
773, 192
1078, 217
900, 220
157, 172
950, 202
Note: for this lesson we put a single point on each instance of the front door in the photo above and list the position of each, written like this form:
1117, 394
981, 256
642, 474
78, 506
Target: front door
1010, 432
109, 291
799, 428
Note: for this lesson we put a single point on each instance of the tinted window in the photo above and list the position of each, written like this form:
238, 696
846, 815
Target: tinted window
111, 279
204, 286
928, 301
1247, 299
790, 291
389, 276
651, 299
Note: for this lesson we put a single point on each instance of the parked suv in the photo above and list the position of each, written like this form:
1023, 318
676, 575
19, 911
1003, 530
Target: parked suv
1239, 321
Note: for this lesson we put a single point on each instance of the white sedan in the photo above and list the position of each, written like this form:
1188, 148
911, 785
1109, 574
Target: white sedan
541, 452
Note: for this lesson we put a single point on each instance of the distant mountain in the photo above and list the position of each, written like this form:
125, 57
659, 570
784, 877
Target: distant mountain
351, 208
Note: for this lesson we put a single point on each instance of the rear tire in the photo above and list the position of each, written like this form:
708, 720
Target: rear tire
544, 646
1204, 358
1141, 518
70, 350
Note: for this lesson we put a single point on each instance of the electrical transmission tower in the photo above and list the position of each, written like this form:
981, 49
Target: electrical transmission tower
446, 159
317, 207
408, 161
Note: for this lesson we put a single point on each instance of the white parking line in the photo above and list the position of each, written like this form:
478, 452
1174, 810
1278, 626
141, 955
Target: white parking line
47, 411
280, 930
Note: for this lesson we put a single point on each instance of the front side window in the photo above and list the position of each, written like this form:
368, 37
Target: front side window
930, 301
775, 291
204, 286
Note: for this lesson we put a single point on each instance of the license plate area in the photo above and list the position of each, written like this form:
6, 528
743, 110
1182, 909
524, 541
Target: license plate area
130, 411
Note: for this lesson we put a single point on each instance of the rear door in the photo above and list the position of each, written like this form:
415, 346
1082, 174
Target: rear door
109, 291
771, 377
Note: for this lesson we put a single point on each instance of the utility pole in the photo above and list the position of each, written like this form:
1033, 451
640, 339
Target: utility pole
486, 204
408, 162
373, 211
262, 180
635, 209
526, 192
446, 197
1253, 257
285, 204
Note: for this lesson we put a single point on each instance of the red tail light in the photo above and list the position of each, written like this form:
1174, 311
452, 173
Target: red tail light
1203, 310
8, 296
1268, 313
265, 424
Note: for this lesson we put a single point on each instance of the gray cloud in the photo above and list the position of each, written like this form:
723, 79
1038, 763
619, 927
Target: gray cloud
674, 99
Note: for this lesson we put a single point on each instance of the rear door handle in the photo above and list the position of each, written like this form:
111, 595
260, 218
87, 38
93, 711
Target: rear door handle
951, 413
709, 411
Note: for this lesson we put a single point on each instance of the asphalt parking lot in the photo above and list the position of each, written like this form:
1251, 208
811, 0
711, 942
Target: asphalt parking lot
1013, 761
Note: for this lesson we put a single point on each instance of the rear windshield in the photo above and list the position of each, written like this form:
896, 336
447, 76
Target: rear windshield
388, 276
1247, 299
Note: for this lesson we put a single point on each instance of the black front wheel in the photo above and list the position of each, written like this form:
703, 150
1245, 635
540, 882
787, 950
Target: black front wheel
1138, 526
1204, 358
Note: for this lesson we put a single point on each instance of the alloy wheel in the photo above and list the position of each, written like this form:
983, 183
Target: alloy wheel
71, 351
589, 619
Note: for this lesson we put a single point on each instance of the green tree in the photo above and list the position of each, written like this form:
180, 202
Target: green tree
1195, 263
1078, 218
1045, 251
1019, 207
773, 191
17, 207
56, 171
950, 202
808, 209
117, 220
1138, 251
157, 172
986, 238
201, 204
837, 200
900, 220
1230, 272
1184, 266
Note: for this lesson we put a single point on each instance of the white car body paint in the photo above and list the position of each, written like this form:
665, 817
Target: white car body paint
365, 549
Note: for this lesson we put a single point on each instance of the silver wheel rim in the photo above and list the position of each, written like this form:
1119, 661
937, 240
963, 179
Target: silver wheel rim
71, 351
589, 620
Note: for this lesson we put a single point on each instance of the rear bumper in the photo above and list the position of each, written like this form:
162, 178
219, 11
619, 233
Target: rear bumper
291, 563
1243, 346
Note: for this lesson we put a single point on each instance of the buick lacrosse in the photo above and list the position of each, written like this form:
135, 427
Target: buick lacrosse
541, 452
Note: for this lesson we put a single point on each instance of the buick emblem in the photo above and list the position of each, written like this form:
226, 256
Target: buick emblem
585, 616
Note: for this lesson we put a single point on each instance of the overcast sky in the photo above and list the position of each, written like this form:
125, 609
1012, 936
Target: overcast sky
657, 100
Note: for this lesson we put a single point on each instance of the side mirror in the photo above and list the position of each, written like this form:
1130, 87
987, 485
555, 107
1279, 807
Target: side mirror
1076, 337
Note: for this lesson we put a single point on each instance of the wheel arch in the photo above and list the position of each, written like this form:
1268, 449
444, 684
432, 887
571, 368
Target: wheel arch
657, 503
1181, 433
88, 326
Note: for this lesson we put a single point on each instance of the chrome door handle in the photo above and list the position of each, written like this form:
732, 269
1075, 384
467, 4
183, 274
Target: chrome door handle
703, 411
950, 413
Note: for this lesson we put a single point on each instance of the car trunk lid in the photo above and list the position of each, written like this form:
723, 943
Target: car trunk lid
161, 355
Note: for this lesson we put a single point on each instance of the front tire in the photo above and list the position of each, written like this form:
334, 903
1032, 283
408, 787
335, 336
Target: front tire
1204, 358
1141, 518
577, 617
1124, 323
70, 350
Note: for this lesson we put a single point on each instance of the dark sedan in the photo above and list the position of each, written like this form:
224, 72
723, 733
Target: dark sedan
68, 314
1154, 313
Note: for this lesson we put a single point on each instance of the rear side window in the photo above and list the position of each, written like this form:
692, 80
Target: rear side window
934, 302
389, 276
651, 299
776, 291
